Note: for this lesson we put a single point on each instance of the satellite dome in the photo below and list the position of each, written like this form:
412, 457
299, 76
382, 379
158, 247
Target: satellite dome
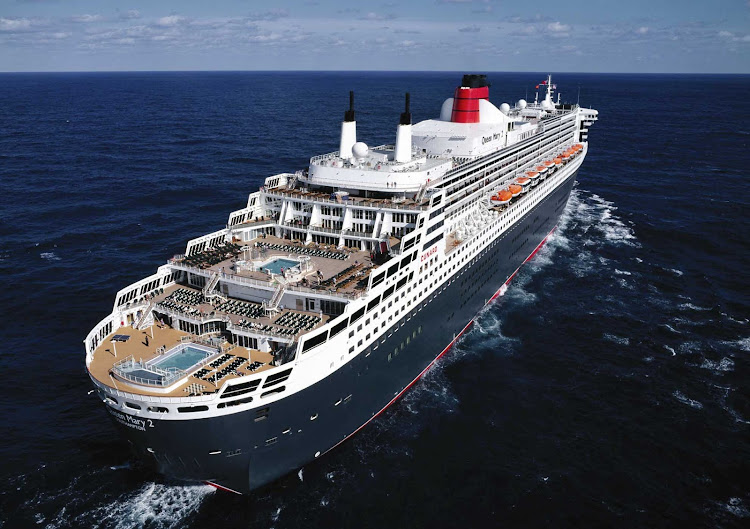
521, 104
360, 149
505, 108
547, 105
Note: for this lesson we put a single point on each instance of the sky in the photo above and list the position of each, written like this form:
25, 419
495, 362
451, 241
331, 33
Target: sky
650, 36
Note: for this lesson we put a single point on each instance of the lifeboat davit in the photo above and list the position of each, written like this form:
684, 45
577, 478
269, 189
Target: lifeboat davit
501, 197
515, 189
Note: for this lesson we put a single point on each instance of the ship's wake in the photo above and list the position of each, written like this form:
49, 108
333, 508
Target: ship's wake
89, 500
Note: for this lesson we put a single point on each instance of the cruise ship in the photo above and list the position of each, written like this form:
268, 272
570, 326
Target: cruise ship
277, 337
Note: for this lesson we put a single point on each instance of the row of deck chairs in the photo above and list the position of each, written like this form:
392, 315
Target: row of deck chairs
254, 366
176, 307
223, 358
185, 296
214, 255
242, 308
341, 274
304, 250
261, 328
297, 321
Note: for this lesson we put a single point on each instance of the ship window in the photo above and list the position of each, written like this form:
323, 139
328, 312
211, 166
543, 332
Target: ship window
261, 414
314, 341
158, 409
339, 327
357, 315
392, 270
133, 406
271, 441
192, 409
374, 303
378, 279
388, 292
272, 391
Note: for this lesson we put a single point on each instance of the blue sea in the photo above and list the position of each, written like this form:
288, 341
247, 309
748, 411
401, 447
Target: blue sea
608, 387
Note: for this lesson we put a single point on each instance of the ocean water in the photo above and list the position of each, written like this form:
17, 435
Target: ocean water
607, 387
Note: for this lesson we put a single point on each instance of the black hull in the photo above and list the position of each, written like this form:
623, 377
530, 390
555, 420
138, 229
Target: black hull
254, 453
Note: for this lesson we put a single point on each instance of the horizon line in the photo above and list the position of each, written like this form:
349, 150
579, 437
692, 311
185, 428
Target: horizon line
361, 71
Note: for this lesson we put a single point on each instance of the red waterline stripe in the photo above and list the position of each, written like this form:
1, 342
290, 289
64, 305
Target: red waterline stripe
539, 247
220, 487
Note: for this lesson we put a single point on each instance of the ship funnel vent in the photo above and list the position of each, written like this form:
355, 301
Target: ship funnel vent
348, 130
402, 152
466, 98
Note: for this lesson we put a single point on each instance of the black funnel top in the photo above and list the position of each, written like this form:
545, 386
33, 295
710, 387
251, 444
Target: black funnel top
349, 114
406, 114
473, 80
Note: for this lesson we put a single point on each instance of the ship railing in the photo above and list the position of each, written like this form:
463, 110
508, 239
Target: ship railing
253, 330
381, 204
169, 375
265, 284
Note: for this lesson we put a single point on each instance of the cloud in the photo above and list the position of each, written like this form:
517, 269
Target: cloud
454, 1
14, 24
171, 21
86, 19
529, 20
726, 34
642, 30
132, 14
376, 16
273, 14
557, 27
470, 29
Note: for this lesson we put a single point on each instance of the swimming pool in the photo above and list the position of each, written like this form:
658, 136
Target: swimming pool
184, 358
277, 264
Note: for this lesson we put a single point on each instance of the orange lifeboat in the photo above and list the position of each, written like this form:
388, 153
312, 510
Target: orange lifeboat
578, 146
558, 161
541, 168
515, 189
565, 156
549, 163
501, 197
524, 182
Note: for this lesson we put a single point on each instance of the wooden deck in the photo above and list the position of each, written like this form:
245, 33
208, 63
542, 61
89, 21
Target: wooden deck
143, 347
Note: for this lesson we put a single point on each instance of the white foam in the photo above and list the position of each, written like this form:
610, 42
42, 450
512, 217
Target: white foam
724, 365
671, 350
735, 507
690, 402
49, 256
299, 474
690, 306
155, 505
622, 340
623, 272
676, 272
744, 344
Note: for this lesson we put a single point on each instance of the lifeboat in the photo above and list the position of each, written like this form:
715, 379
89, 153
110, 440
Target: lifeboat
578, 146
558, 161
515, 189
541, 168
534, 176
501, 197
524, 182
549, 163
